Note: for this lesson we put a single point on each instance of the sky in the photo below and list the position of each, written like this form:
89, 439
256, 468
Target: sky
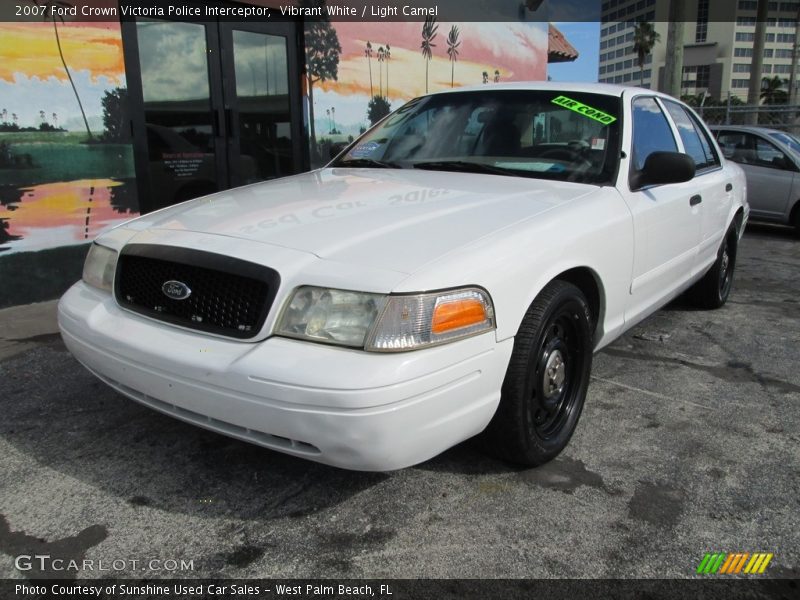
32, 78
585, 37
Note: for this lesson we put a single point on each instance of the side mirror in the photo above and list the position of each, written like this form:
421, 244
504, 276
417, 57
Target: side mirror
664, 167
336, 148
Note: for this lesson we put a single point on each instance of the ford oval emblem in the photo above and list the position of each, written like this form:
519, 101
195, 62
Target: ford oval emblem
177, 290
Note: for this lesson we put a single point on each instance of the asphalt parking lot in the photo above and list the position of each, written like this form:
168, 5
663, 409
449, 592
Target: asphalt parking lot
688, 444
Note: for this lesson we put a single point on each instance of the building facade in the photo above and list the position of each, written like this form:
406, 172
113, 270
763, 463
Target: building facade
718, 44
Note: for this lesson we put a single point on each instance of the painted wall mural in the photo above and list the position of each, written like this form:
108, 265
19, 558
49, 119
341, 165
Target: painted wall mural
66, 163
358, 72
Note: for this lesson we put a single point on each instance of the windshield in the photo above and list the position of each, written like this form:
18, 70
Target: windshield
787, 139
567, 136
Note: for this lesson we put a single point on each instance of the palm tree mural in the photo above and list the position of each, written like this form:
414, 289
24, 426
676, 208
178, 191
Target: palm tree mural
496, 76
485, 77
387, 54
381, 56
368, 54
452, 51
772, 91
429, 28
48, 4
644, 38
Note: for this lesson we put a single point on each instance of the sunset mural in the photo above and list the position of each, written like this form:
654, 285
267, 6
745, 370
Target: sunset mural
51, 166
486, 52
66, 167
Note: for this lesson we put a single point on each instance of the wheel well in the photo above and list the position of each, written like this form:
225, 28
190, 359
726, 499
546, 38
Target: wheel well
586, 281
737, 231
793, 216
737, 219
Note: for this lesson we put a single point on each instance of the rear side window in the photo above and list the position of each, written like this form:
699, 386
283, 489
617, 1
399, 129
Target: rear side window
695, 140
651, 131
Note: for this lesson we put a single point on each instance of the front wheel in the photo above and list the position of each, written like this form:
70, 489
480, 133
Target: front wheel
545, 385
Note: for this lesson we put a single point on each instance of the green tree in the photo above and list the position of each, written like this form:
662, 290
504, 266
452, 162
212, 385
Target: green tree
115, 112
772, 91
645, 38
452, 51
48, 12
429, 29
377, 109
322, 57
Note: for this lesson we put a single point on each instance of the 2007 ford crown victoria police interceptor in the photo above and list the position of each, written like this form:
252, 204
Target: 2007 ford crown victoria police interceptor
449, 274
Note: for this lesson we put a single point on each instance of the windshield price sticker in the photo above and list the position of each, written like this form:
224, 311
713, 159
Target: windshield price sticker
583, 109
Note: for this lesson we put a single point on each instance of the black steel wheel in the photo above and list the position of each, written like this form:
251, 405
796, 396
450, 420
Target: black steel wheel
713, 289
545, 385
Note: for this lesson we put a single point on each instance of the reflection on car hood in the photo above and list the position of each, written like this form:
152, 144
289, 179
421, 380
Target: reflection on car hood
384, 218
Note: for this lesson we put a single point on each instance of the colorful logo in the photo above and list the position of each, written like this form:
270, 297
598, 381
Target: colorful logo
733, 563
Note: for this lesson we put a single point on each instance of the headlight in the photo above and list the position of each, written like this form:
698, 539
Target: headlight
98, 270
330, 316
385, 323
411, 322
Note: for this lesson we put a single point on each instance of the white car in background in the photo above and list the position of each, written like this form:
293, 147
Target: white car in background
450, 273
771, 162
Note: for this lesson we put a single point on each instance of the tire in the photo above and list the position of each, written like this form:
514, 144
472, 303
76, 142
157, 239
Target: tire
713, 289
545, 385
797, 221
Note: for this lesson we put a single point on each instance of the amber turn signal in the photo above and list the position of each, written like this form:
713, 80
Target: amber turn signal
457, 314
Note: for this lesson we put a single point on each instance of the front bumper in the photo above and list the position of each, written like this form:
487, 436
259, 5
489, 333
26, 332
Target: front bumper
341, 407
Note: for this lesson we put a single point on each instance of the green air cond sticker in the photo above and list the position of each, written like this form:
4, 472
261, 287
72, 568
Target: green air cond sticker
585, 110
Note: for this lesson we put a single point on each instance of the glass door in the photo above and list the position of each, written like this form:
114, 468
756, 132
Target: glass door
259, 89
215, 105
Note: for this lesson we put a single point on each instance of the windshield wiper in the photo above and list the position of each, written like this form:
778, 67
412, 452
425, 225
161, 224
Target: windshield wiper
465, 167
367, 162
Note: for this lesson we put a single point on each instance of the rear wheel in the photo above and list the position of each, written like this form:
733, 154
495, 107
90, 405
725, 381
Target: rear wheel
713, 289
545, 385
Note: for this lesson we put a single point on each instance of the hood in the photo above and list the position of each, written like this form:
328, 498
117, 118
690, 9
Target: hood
396, 219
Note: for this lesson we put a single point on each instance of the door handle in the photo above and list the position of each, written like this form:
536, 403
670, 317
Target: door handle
695, 200
729, 187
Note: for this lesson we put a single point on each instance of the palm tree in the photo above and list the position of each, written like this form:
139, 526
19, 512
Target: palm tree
48, 4
429, 28
368, 54
772, 91
452, 51
381, 56
387, 54
485, 77
644, 38
496, 76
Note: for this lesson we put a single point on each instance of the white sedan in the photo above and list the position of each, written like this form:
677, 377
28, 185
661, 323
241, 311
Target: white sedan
449, 274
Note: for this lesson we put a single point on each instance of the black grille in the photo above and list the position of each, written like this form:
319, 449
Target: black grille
228, 296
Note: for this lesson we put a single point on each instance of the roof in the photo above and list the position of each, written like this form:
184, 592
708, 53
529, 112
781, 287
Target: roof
553, 86
558, 48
